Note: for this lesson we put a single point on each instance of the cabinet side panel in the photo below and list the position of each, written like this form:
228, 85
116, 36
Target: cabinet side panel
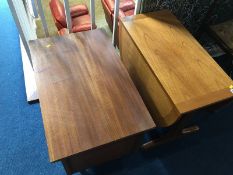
158, 103
103, 154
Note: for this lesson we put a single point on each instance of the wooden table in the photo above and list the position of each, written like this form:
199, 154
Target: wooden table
171, 70
91, 109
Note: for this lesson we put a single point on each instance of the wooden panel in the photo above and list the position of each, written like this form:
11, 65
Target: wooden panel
154, 96
104, 153
86, 95
184, 71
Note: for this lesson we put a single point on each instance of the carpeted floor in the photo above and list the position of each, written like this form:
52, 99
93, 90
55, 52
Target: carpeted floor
23, 149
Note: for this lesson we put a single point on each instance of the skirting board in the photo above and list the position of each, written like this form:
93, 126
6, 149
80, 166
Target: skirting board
29, 78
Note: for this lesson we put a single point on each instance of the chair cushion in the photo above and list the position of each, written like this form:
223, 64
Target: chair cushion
123, 14
58, 11
57, 24
81, 23
129, 12
78, 10
124, 5
127, 5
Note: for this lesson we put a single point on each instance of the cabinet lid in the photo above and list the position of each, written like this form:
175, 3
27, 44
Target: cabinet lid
188, 74
86, 96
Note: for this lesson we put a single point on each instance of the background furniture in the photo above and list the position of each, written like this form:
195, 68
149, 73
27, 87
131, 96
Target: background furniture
81, 20
193, 14
190, 13
91, 110
220, 11
219, 25
223, 32
171, 70
126, 9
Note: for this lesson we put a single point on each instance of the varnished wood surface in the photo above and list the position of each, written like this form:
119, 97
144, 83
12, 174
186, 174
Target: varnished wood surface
171, 70
86, 96
102, 154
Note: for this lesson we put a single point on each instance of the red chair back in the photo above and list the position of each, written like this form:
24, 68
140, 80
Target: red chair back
58, 12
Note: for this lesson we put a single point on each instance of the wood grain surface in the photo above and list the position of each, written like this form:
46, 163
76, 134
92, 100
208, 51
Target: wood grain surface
86, 96
171, 70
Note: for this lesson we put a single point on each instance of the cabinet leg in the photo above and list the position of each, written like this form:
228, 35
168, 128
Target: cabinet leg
67, 167
170, 136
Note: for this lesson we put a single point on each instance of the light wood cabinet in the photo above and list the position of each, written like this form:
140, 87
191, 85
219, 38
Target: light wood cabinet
171, 70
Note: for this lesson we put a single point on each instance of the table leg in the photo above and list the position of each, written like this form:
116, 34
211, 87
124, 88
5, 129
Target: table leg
67, 167
170, 136
180, 129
